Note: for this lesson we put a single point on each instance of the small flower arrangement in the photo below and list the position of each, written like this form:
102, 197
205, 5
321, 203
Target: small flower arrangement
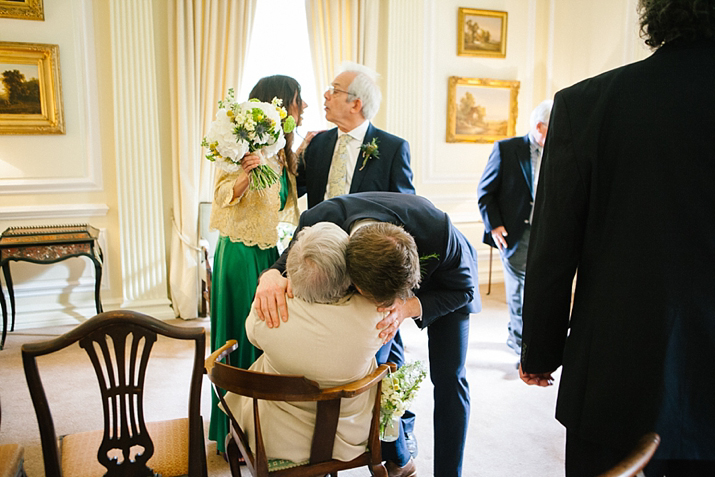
398, 390
253, 126
285, 235
369, 150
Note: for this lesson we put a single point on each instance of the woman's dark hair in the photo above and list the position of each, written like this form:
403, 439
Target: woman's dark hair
287, 89
663, 21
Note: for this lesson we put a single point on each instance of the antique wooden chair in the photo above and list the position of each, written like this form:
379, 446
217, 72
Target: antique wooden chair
637, 459
119, 344
262, 386
11, 459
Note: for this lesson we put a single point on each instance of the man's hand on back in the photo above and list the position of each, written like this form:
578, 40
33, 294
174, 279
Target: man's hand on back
270, 301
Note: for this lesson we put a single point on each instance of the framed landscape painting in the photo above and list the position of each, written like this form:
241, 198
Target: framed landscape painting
23, 9
481, 33
30, 89
481, 110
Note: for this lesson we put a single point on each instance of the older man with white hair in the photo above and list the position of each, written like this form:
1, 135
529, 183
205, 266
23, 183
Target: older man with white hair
331, 338
355, 156
506, 200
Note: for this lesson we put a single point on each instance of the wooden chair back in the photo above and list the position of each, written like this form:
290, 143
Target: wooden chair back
119, 344
271, 387
637, 459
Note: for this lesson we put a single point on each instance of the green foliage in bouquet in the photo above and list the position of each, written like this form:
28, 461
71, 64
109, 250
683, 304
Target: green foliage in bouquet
399, 389
253, 126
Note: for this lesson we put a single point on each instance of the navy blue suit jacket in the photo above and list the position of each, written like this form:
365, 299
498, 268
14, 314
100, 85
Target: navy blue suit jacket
505, 195
390, 172
449, 281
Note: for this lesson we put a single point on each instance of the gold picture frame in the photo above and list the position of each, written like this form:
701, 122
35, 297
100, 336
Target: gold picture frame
23, 9
481, 110
481, 33
30, 89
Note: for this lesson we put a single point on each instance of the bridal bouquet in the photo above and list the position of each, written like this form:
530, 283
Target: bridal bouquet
398, 391
252, 126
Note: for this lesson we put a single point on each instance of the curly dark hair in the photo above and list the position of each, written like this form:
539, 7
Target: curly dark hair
287, 89
663, 21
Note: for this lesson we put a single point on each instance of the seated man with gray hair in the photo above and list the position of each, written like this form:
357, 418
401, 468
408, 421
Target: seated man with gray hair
331, 338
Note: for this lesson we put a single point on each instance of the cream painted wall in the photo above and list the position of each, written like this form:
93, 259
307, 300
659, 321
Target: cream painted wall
63, 179
73, 178
551, 44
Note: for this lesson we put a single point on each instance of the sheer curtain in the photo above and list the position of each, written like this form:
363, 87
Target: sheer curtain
207, 46
341, 30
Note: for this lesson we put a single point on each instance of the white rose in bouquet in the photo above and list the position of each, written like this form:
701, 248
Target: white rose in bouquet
252, 126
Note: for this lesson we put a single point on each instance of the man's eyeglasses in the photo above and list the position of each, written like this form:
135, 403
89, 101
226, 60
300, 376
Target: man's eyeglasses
332, 90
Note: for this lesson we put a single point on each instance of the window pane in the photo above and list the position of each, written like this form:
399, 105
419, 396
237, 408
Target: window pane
279, 45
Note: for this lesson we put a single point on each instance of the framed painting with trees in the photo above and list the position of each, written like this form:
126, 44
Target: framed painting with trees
481, 110
481, 33
30, 89
23, 9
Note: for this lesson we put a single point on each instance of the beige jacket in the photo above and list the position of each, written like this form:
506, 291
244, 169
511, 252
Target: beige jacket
252, 218
333, 344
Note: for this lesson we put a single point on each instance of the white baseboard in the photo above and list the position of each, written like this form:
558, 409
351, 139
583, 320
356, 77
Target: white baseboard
44, 309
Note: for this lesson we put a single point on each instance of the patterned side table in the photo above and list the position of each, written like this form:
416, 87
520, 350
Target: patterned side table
48, 244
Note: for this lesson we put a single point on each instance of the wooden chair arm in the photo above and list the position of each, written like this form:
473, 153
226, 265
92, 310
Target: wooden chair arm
637, 458
360, 386
219, 354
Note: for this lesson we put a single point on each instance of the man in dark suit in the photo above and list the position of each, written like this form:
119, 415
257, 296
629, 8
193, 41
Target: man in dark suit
626, 199
355, 156
447, 294
506, 199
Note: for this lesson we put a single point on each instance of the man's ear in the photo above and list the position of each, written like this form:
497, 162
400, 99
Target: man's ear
357, 106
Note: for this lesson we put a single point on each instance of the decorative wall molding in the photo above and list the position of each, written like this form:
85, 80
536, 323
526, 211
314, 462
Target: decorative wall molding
405, 74
89, 118
31, 212
136, 132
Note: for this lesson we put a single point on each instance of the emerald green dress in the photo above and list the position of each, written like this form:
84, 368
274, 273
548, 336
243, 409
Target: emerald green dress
235, 277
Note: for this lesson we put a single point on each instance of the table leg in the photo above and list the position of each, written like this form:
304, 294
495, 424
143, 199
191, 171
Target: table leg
8, 283
97, 283
4, 318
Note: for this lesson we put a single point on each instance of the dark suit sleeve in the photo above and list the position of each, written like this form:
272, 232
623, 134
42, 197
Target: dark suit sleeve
488, 189
307, 218
300, 181
453, 283
401, 173
554, 246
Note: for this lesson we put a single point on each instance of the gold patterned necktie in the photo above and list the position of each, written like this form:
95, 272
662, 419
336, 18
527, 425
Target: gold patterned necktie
338, 176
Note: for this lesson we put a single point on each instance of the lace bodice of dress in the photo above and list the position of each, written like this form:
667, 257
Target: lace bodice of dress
253, 217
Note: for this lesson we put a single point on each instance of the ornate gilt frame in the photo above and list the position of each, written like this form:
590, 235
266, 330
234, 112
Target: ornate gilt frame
23, 9
491, 130
47, 59
464, 50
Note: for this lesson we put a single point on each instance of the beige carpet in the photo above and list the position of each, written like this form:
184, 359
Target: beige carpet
512, 431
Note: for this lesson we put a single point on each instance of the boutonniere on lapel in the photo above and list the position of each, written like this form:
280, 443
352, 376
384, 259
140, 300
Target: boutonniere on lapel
369, 150
423, 262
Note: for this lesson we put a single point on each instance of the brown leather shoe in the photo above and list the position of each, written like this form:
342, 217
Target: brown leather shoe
409, 470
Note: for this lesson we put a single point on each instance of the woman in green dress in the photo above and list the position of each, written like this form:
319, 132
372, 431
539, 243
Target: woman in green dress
247, 221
